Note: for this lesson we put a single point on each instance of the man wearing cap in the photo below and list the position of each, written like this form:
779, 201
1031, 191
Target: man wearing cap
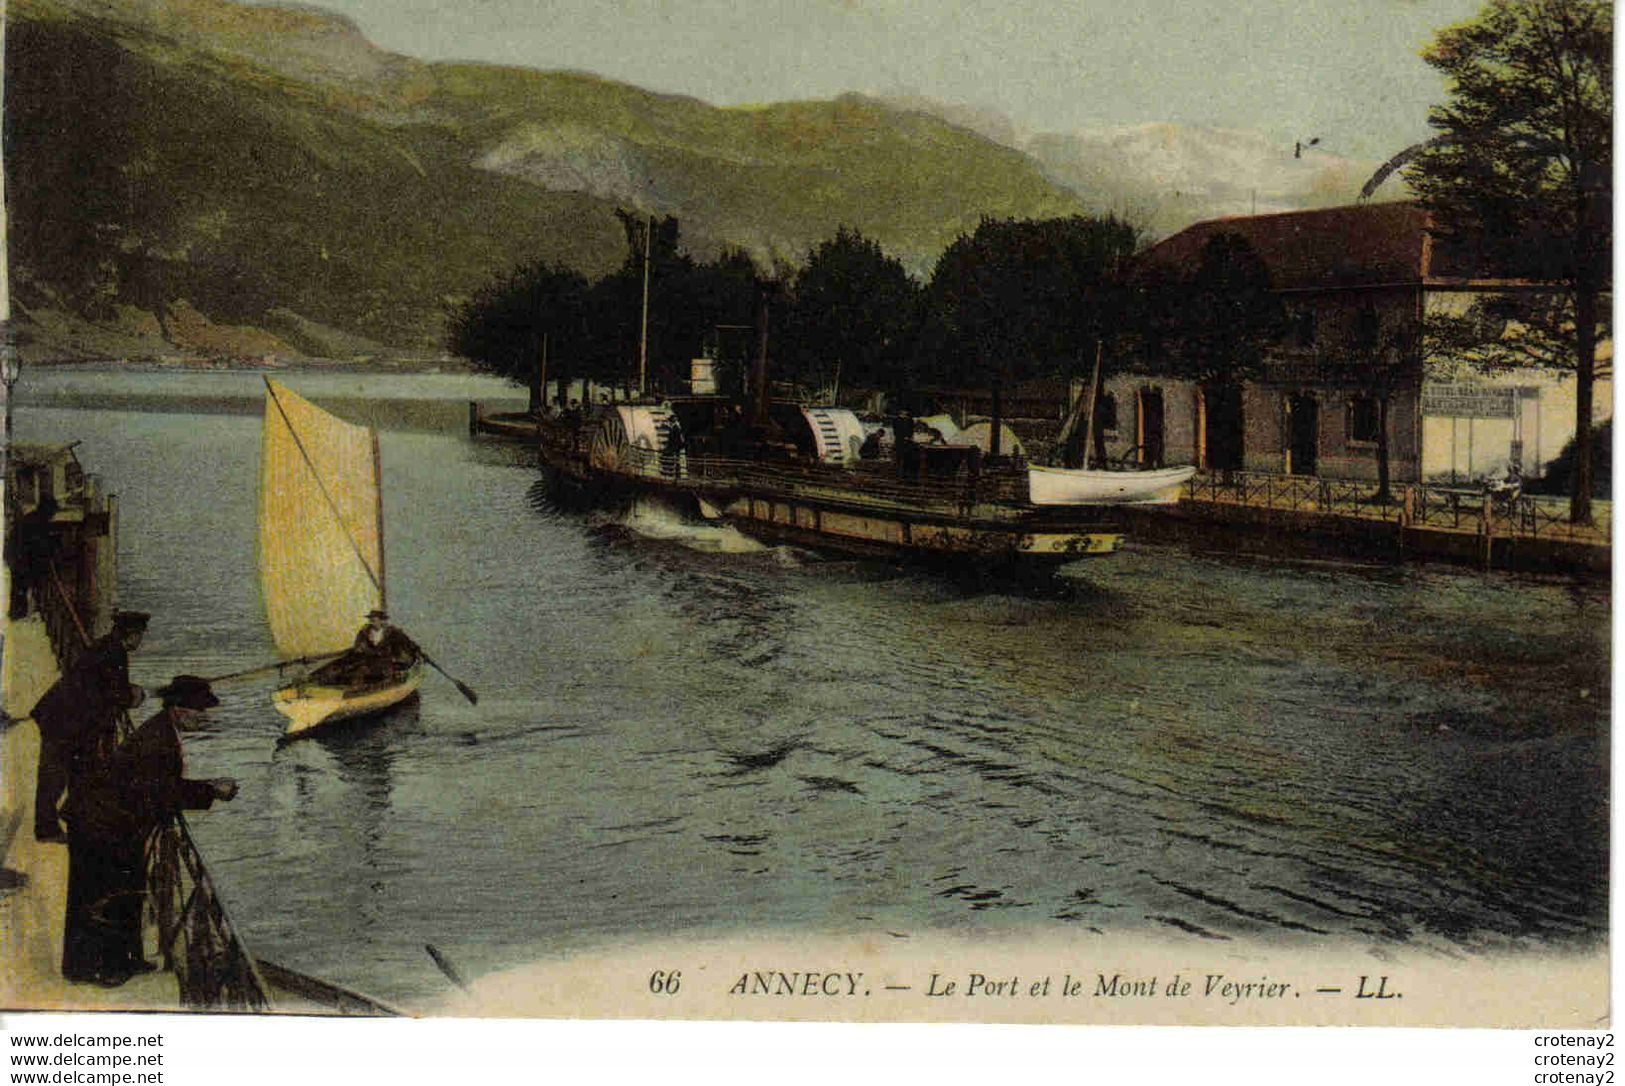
119, 802
80, 711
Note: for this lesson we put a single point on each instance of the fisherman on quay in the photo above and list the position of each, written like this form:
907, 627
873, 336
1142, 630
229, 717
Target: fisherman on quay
79, 715
120, 800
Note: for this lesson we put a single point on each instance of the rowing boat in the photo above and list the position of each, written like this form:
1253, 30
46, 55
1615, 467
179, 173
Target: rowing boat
1089, 486
311, 704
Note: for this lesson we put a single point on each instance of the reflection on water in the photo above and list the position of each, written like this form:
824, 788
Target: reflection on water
671, 740
341, 780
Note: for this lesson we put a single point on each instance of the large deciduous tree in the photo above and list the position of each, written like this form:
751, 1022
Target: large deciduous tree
1021, 299
854, 315
687, 300
1523, 172
508, 324
1018, 300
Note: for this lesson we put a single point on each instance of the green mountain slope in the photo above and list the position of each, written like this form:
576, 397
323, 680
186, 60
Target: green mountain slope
247, 180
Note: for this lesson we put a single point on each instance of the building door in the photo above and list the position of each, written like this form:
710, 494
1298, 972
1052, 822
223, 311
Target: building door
1303, 434
1151, 428
1226, 428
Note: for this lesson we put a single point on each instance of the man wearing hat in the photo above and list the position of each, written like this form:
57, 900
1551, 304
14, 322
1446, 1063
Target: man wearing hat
383, 651
119, 802
80, 711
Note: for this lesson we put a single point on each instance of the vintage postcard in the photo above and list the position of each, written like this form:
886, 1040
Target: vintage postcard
849, 511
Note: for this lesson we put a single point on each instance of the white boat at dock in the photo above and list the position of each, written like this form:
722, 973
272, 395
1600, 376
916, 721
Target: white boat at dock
1093, 486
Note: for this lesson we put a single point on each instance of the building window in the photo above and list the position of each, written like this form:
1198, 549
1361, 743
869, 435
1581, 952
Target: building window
1363, 416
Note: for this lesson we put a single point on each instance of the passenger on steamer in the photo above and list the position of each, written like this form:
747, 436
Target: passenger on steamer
28, 552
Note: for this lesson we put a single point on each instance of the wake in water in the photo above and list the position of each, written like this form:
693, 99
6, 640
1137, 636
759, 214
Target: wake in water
651, 518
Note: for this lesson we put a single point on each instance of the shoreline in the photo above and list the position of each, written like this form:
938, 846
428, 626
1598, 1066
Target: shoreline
404, 364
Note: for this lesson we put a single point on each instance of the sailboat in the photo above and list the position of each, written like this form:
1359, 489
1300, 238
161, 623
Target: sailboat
321, 557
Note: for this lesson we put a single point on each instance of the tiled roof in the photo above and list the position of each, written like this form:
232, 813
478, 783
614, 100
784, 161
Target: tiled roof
1359, 245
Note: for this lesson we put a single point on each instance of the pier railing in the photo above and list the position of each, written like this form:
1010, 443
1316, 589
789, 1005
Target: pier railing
1475, 511
195, 936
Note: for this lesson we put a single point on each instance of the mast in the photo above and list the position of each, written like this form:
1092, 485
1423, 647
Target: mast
378, 507
540, 399
1094, 398
759, 392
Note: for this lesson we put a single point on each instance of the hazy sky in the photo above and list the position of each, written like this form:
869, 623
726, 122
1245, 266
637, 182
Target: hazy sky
1347, 71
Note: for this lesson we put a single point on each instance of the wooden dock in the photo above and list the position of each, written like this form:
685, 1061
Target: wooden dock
1288, 513
518, 426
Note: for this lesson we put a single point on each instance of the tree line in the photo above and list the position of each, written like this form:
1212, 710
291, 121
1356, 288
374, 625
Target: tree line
1519, 170
1011, 301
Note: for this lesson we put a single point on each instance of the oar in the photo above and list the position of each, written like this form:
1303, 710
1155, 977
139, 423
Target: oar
462, 687
267, 668
444, 963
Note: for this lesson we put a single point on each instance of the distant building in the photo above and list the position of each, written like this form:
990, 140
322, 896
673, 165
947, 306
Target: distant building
1357, 283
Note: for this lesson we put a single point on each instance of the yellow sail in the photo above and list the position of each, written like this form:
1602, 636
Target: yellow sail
321, 533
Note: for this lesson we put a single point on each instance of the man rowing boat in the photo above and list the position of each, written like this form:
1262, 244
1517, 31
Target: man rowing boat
381, 653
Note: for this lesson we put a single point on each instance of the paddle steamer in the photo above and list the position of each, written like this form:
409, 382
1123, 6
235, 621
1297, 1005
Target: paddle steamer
814, 476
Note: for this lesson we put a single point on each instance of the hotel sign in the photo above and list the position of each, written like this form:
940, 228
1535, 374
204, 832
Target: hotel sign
1459, 401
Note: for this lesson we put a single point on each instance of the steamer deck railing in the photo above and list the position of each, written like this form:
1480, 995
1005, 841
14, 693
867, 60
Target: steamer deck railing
997, 492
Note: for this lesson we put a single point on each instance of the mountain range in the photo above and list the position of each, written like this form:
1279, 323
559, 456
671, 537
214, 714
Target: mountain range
199, 177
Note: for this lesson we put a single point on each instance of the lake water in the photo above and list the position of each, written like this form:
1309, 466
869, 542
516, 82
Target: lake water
679, 738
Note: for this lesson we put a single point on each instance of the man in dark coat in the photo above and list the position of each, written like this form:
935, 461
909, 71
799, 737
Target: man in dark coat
28, 553
118, 803
81, 710
383, 651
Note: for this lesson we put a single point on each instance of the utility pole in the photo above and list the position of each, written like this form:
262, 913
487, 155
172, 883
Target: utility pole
759, 380
643, 337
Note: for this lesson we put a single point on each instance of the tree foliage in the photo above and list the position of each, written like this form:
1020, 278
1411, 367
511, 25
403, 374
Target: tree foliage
1522, 179
503, 327
687, 301
1214, 324
1022, 299
854, 312
1498, 333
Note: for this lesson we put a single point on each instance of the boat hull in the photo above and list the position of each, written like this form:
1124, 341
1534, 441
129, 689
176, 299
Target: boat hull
308, 706
1075, 486
880, 532
871, 509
